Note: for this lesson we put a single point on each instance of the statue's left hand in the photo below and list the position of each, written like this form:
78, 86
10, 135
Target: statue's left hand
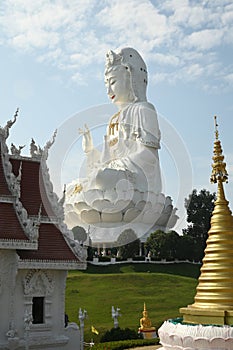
87, 142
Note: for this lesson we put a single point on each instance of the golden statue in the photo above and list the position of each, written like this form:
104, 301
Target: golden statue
145, 324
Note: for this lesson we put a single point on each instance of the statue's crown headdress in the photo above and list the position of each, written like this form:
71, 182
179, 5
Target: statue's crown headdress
135, 65
112, 59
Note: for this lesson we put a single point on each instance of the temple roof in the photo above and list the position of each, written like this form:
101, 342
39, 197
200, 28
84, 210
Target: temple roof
12, 232
32, 186
51, 246
10, 227
30, 220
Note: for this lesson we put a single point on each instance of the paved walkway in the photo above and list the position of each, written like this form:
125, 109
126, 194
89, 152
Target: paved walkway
150, 347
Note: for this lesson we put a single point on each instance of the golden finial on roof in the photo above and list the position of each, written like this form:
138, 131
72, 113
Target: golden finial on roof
219, 172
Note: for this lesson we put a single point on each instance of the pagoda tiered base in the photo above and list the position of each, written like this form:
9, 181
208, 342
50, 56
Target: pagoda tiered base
174, 335
208, 316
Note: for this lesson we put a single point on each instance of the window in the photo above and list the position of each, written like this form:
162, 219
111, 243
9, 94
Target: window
38, 310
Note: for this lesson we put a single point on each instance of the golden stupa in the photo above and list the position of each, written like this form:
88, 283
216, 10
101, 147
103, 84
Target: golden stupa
214, 296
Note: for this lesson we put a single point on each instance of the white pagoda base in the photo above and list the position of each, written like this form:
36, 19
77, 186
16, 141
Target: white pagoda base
177, 336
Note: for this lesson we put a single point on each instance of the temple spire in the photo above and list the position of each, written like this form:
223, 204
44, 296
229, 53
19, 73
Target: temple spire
216, 127
219, 173
214, 297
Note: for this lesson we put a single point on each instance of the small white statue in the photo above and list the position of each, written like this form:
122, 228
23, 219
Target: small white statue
115, 315
28, 319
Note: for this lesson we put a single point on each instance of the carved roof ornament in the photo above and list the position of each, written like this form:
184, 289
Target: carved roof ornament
35, 151
48, 145
62, 200
16, 151
5, 130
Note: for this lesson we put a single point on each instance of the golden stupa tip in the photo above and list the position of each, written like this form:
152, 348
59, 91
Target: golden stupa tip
216, 127
219, 173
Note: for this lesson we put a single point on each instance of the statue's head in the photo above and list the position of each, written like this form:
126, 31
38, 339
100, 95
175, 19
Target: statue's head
128, 64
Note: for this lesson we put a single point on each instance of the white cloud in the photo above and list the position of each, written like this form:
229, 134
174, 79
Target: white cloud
165, 59
75, 34
229, 78
204, 39
160, 77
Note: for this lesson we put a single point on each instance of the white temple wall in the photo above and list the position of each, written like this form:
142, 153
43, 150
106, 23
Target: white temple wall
49, 285
8, 271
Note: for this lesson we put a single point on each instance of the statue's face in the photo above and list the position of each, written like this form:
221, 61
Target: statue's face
118, 86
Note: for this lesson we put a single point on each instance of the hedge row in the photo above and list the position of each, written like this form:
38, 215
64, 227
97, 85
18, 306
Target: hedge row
125, 344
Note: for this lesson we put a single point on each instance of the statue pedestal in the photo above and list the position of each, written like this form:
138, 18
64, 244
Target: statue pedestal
105, 216
148, 334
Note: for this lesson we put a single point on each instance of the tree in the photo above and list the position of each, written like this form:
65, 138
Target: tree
199, 210
79, 233
163, 245
129, 244
185, 250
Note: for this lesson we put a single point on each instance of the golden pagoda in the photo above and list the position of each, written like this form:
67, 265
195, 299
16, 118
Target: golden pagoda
214, 296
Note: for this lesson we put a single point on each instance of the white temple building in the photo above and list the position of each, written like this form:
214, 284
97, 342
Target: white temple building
36, 251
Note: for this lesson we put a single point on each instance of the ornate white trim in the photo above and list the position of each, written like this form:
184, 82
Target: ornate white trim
19, 157
18, 244
38, 283
31, 227
53, 265
6, 199
45, 219
57, 207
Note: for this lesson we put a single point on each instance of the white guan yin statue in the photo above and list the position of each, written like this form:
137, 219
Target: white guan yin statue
122, 188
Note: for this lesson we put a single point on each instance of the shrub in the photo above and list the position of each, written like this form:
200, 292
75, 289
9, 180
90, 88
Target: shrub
139, 258
120, 334
104, 258
125, 344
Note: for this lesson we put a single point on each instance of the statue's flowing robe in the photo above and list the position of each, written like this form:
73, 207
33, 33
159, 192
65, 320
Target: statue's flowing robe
134, 156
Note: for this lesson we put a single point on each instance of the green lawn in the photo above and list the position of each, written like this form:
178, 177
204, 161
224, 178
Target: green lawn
128, 286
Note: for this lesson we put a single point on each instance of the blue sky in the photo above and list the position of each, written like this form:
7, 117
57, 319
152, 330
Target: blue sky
52, 64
